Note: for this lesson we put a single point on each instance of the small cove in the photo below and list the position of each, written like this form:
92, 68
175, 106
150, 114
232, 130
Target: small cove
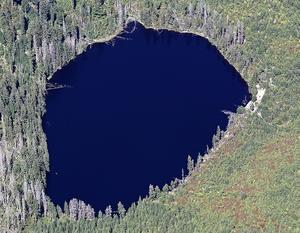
134, 111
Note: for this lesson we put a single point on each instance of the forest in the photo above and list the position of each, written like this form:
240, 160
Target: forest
248, 181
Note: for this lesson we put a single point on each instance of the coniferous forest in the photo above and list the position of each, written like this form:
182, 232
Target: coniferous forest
247, 182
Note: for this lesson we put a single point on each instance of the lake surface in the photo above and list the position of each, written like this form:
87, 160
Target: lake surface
134, 111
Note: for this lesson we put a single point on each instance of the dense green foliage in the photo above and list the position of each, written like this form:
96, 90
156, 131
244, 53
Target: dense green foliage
249, 182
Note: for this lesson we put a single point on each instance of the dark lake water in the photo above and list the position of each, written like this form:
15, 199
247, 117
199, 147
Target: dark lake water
134, 112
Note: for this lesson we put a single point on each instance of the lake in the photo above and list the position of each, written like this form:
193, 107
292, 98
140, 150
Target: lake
132, 111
